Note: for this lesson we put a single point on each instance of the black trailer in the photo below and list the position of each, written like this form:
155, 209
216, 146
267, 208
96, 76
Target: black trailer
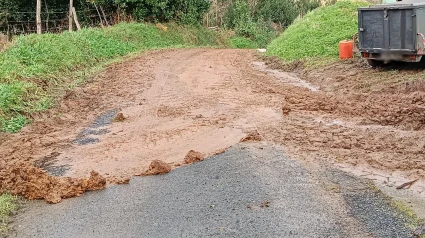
392, 32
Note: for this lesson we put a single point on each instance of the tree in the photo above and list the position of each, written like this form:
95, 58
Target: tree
38, 16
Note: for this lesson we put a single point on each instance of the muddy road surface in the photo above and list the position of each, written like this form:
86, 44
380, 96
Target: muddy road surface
251, 190
163, 104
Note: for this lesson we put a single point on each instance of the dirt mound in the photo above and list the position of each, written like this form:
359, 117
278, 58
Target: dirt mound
34, 183
252, 136
119, 118
193, 157
157, 167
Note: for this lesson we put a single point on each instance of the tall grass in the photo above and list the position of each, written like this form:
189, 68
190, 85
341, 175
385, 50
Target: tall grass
318, 33
37, 64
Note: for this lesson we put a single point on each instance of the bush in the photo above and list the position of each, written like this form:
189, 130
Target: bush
318, 33
280, 12
254, 21
36, 64
242, 43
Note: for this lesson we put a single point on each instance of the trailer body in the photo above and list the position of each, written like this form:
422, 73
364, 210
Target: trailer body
392, 31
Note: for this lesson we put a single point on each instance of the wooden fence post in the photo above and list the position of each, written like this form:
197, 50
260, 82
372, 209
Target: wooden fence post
38, 18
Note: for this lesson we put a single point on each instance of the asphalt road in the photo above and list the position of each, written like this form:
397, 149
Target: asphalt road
251, 190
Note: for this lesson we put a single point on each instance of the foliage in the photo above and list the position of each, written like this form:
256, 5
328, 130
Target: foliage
242, 43
279, 12
37, 64
183, 11
318, 33
255, 20
240, 17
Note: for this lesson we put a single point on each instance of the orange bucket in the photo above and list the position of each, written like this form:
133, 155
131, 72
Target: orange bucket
346, 49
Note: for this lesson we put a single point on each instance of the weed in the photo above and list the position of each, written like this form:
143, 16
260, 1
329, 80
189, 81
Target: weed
8, 204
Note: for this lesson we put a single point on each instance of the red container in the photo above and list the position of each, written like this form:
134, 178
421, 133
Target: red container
346, 49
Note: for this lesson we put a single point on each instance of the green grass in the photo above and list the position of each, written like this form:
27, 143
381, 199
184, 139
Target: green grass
8, 204
318, 33
35, 66
240, 42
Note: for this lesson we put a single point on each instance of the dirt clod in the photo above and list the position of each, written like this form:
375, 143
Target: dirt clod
34, 183
119, 118
157, 167
252, 136
193, 157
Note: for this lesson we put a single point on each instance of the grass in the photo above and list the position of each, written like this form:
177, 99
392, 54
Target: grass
240, 42
8, 204
318, 33
36, 66
413, 220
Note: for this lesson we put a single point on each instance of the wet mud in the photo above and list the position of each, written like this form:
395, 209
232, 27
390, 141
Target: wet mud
207, 100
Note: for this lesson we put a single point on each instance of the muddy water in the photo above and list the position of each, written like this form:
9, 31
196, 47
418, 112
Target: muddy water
284, 77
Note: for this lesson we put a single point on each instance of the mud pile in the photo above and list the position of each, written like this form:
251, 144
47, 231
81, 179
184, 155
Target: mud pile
193, 157
157, 167
34, 183
252, 136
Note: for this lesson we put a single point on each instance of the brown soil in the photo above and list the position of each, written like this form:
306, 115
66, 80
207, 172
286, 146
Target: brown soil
33, 183
119, 118
193, 157
157, 167
252, 136
207, 100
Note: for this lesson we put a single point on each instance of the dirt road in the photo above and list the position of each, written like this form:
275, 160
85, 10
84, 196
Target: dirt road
207, 100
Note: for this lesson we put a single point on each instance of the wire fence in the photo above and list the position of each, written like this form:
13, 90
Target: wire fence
54, 22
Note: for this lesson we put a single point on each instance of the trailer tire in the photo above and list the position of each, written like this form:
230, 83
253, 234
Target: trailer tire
375, 63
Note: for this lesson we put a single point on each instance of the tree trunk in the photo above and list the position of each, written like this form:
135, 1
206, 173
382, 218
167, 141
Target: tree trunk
77, 23
38, 13
71, 5
47, 18
98, 13
104, 16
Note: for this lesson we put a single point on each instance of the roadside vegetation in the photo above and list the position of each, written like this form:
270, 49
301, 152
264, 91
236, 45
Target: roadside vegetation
259, 22
318, 33
38, 66
8, 204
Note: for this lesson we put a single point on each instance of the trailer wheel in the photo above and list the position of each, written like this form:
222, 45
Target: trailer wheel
375, 63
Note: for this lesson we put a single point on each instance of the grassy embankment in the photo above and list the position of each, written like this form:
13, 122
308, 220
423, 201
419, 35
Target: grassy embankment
36, 68
317, 34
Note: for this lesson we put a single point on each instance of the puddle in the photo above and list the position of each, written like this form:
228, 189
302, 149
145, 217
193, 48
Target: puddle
284, 76
48, 164
84, 138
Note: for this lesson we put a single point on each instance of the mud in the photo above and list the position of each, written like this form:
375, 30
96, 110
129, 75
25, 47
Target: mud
193, 157
34, 183
157, 167
207, 100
